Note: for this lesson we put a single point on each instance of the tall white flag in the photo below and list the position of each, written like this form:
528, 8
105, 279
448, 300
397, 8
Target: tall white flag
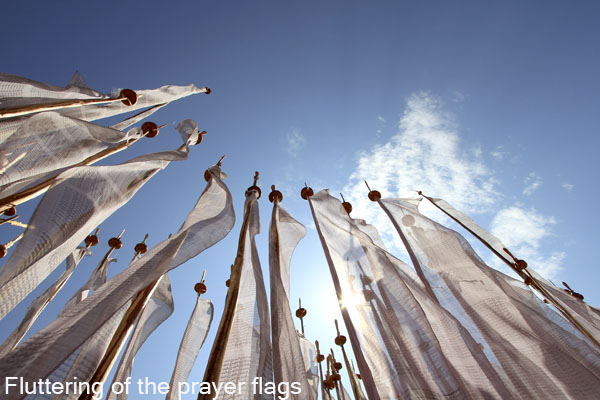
288, 361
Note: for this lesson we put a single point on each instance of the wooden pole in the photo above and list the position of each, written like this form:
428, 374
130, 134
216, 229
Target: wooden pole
217, 353
118, 339
127, 96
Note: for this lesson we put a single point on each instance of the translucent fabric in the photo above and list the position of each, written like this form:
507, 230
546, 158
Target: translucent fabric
288, 361
309, 355
146, 98
79, 200
208, 222
535, 352
38, 305
248, 353
16, 91
586, 315
191, 343
97, 279
158, 309
47, 143
406, 345
91, 353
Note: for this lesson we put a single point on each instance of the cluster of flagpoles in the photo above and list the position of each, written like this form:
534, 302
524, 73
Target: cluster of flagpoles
449, 327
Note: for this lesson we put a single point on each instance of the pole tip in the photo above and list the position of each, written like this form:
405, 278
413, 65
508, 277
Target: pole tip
254, 187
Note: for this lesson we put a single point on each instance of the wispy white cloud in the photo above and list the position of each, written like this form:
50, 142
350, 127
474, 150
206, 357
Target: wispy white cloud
381, 124
532, 182
523, 231
296, 141
499, 153
458, 96
427, 154
567, 186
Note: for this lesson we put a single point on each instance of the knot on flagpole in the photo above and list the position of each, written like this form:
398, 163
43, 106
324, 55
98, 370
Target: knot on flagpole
128, 96
306, 192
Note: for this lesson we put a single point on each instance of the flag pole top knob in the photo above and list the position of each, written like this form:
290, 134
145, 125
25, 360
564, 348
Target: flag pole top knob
150, 129
374, 195
141, 247
347, 206
9, 212
129, 97
115, 242
218, 164
200, 288
2, 251
520, 264
329, 383
306, 192
207, 90
301, 312
91, 240
275, 194
340, 340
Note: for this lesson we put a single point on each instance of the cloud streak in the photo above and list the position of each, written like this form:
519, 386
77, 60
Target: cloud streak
296, 141
533, 183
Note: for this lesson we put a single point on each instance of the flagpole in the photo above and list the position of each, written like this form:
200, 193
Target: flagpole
140, 248
34, 191
320, 357
12, 221
118, 339
300, 314
126, 96
4, 247
340, 340
217, 352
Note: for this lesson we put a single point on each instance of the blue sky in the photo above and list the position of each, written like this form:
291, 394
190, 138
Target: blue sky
492, 106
